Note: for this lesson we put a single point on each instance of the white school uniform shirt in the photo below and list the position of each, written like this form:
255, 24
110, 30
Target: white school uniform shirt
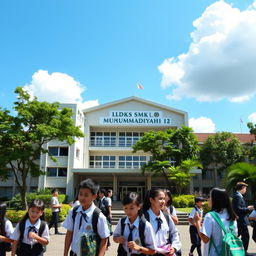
55, 200
253, 214
108, 199
69, 224
16, 234
212, 230
8, 229
148, 234
174, 212
162, 235
193, 212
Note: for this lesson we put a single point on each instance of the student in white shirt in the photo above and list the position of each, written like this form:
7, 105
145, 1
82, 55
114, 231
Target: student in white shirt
169, 208
56, 206
194, 236
134, 233
219, 202
32, 232
6, 230
166, 234
82, 220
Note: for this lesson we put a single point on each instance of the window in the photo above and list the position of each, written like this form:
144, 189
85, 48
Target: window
56, 171
102, 161
127, 139
58, 151
131, 162
103, 139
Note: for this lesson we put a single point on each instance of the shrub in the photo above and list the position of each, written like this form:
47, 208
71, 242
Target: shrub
15, 216
183, 201
16, 200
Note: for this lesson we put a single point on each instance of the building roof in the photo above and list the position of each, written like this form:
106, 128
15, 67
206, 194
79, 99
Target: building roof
243, 137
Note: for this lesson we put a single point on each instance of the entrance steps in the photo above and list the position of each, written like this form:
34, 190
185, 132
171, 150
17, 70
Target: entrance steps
117, 213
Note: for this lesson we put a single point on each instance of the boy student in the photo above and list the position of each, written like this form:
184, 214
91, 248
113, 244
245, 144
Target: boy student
105, 204
194, 236
55, 205
86, 218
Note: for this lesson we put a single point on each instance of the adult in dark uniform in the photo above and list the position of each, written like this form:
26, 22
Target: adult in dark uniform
242, 210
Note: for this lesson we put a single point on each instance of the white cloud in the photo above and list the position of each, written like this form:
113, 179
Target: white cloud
202, 124
90, 104
252, 118
57, 87
221, 59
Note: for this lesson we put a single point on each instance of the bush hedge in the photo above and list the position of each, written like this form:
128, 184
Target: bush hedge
15, 216
183, 201
15, 202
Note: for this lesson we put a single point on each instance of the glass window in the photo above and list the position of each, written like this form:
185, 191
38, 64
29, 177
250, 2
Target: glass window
53, 151
62, 172
52, 171
63, 151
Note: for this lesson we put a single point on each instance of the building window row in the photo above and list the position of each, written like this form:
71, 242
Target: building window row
56, 171
113, 139
132, 162
58, 151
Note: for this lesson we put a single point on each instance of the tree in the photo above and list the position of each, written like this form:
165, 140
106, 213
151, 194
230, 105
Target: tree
220, 151
167, 147
241, 171
181, 175
23, 136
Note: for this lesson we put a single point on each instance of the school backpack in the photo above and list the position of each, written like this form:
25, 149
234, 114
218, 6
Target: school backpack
104, 206
90, 242
167, 217
22, 229
142, 225
231, 244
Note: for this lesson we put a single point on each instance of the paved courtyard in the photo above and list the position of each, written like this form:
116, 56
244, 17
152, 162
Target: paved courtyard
55, 248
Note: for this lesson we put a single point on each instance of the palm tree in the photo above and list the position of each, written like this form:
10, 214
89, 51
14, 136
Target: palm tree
241, 171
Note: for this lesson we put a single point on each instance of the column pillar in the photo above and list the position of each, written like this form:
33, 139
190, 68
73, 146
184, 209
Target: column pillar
115, 189
149, 180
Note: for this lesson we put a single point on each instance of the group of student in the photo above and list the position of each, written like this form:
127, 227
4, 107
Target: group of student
148, 227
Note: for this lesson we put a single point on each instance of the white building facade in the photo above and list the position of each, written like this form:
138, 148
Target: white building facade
105, 153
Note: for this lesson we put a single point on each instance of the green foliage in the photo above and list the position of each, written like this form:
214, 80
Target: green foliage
17, 204
15, 216
241, 171
23, 136
221, 149
183, 201
165, 146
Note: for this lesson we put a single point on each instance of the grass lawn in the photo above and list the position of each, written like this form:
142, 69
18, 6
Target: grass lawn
187, 209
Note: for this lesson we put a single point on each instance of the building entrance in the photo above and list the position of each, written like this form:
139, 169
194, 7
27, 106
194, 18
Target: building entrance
123, 190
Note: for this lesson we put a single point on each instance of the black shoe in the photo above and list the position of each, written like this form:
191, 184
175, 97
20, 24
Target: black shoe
60, 233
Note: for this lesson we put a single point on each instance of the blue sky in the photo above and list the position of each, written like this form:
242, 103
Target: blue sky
197, 56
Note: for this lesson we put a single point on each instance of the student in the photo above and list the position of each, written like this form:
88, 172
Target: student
109, 199
252, 218
134, 234
219, 202
169, 208
194, 236
55, 205
104, 205
75, 202
32, 232
80, 219
6, 230
166, 234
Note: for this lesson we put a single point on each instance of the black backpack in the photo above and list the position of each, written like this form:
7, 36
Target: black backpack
142, 225
22, 229
167, 217
104, 207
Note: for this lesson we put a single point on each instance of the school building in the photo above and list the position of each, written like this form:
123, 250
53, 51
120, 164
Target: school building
105, 153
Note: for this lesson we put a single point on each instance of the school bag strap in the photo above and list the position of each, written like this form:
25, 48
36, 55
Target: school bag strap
22, 229
95, 217
220, 223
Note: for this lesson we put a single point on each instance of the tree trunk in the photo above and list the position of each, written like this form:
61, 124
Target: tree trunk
215, 176
23, 190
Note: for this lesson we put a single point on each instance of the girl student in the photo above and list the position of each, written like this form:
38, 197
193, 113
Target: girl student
31, 233
6, 230
169, 208
134, 234
166, 234
210, 232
